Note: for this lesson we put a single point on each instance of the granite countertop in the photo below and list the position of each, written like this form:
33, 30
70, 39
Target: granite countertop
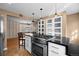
28, 34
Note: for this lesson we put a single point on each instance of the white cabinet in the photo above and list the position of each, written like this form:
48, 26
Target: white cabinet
58, 28
54, 27
28, 43
56, 49
41, 26
49, 27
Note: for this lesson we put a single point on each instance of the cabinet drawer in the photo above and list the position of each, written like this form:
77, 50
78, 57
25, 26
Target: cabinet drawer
56, 49
53, 53
53, 45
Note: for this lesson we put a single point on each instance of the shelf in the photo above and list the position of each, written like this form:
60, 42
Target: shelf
57, 28
49, 23
57, 22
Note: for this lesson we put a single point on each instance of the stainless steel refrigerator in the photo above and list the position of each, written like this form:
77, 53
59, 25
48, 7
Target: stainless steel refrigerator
1, 36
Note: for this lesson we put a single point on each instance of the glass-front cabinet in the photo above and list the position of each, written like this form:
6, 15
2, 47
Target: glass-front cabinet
41, 26
54, 27
58, 28
49, 27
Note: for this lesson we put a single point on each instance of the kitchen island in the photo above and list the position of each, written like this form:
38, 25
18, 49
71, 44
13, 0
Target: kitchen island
44, 46
41, 46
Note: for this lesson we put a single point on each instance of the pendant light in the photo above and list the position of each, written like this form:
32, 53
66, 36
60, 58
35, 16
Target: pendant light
56, 14
33, 17
41, 12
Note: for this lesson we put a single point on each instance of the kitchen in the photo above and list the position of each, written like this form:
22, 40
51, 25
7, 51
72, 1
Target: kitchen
45, 33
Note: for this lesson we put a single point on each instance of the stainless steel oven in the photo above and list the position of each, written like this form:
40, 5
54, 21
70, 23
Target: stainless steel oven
39, 49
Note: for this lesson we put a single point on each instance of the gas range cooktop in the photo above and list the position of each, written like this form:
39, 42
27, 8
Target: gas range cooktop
42, 40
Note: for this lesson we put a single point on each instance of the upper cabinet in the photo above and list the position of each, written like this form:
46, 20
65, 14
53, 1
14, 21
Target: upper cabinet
49, 27
41, 26
58, 28
54, 27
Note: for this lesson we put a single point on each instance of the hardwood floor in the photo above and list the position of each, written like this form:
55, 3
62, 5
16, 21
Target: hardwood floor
14, 50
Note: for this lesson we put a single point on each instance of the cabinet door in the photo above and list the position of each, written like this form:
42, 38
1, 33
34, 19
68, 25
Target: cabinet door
28, 44
41, 26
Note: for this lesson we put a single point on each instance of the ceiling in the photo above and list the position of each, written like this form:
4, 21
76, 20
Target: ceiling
48, 8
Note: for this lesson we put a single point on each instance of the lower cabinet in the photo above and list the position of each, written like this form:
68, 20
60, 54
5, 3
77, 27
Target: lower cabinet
56, 49
28, 43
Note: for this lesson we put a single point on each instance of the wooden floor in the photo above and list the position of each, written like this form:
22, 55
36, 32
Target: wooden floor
14, 50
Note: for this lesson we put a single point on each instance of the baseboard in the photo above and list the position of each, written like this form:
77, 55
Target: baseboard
5, 49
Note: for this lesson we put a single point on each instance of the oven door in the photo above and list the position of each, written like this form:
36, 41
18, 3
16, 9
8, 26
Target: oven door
37, 50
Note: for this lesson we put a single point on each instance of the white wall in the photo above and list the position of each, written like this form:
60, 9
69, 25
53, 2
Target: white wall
73, 28
13, 27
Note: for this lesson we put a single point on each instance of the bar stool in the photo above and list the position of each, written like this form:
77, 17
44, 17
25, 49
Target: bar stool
21, 39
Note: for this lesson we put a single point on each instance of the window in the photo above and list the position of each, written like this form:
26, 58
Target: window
1, 26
